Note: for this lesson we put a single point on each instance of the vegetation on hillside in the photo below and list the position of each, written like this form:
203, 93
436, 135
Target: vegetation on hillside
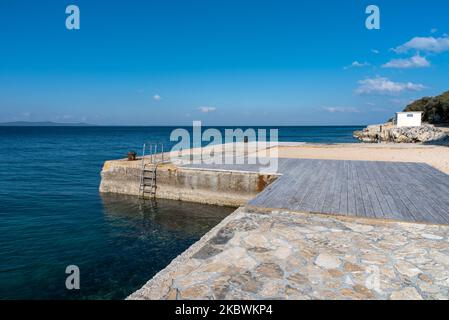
436, 109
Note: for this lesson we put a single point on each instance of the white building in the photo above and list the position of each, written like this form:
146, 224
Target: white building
408, 119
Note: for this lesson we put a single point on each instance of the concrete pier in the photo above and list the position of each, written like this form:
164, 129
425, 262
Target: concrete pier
217, 187
316, 229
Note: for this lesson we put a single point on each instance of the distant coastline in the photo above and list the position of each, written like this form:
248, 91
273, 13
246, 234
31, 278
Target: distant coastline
44, 124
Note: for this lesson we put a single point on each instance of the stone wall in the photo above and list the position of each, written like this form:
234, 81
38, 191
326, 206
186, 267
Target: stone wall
178, 183
259, 254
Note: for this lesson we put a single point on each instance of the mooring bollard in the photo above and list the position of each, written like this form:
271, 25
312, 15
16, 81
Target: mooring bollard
132, 156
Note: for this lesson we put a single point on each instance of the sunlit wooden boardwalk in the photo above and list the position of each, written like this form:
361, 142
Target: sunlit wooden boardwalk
413, 192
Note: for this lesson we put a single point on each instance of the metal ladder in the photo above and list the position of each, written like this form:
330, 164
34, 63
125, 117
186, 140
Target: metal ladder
148, 185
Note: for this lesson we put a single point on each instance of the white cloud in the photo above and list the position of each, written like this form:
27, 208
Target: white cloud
207, 109
381, 85
157, 97
414, 62
375, 51
427, 44
341, 110
357, 64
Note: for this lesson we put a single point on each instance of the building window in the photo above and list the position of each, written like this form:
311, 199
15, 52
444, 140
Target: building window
410, 115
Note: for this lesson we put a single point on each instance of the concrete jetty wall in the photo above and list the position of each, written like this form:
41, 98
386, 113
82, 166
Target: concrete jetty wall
195, 185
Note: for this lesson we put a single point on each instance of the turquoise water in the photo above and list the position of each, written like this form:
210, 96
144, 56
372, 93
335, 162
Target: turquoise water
52, 215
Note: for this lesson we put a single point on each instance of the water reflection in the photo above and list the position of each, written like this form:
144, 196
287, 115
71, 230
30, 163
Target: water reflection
183, 218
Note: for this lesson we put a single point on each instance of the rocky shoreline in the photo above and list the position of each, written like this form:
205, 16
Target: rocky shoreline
389, 133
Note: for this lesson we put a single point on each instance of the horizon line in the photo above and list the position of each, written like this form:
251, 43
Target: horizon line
79, 124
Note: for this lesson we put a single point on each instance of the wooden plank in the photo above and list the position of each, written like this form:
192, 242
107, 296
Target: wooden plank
383, 181
382, 196
360, 206
436, 175
352, 208
336, 197
366, 198
429, 203
318, 182
390, 182
292, 188
371, 188
330, 189
302, 186
344, 189
427, 182
323, 189
400, 191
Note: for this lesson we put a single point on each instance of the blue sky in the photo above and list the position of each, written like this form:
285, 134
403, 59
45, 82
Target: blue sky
225, 62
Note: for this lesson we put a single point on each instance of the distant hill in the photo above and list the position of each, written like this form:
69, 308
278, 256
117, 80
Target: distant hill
436, 109
43, 124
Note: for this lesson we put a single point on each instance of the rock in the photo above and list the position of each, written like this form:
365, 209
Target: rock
220, 288
327, 261
360, 294
195, 292
246, 282
425, 278
363, 291
431, 236
295, 294
351, 267
408, 293
348, 281
298, 279
335, 273
172, 294
206, 252
423, 133
282, 253
270, 270
429, 288
222, 237
256, 240
374, 259
407, 269
215, 266
191, 279
440, 257
373, 133
359, 227
390, 133
272, 289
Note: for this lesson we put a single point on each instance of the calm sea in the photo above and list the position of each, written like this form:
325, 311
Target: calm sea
52, 215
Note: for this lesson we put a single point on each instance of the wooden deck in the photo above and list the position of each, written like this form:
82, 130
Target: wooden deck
412, 192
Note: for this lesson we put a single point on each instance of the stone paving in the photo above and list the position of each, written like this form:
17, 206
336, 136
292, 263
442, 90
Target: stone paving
256, 254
